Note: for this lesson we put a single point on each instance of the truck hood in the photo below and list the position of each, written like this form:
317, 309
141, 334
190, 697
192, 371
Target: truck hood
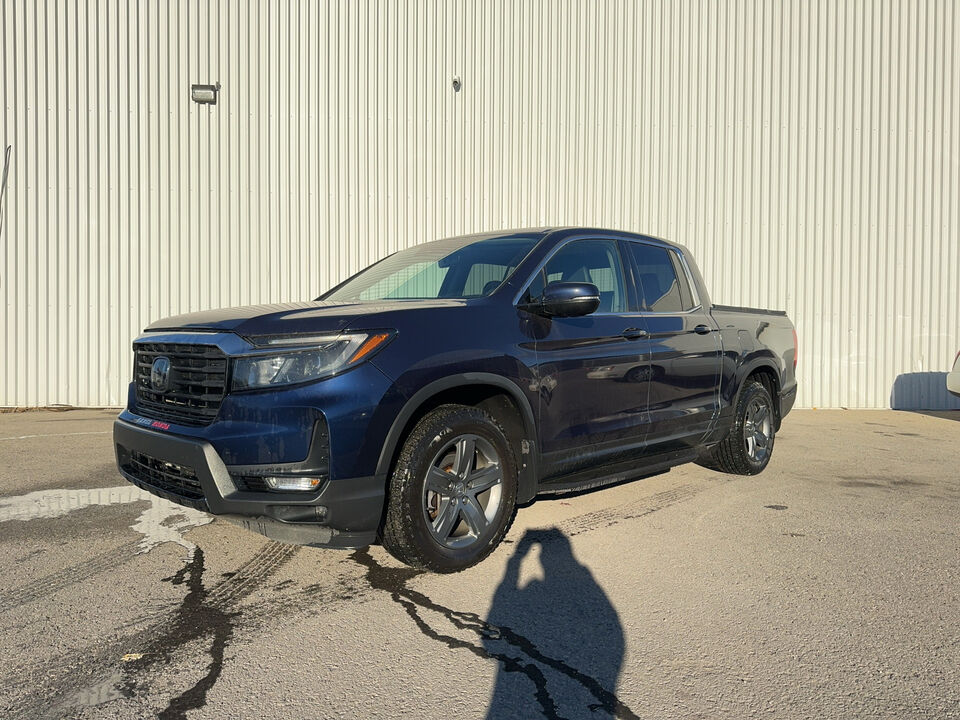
319, 316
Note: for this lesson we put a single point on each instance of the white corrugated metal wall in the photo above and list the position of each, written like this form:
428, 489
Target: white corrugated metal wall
807, 152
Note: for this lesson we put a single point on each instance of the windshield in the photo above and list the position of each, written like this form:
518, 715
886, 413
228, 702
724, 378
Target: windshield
465, 267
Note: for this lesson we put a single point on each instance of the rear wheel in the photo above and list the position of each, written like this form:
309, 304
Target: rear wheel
452, 492
747, 448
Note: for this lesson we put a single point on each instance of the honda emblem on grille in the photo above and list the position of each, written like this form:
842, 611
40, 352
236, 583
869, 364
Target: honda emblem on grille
160, 374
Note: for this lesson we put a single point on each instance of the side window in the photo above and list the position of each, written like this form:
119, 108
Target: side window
663, 284
592, 261
686, 296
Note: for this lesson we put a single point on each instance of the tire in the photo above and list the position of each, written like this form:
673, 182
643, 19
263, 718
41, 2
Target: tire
452, 492
748, 446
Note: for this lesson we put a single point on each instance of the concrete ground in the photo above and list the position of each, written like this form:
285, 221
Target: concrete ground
827, 587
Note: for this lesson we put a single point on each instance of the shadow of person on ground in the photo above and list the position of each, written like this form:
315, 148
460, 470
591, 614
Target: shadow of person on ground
556, 635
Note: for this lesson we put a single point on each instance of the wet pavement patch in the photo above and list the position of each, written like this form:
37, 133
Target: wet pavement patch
108, 689
159, 521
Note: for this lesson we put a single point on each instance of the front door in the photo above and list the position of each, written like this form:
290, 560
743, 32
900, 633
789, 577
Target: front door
591, 374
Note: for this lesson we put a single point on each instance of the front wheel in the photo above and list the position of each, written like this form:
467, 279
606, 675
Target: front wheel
747, 448
452, 492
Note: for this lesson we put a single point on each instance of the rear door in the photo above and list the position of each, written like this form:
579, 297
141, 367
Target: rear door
683, 348
590, 370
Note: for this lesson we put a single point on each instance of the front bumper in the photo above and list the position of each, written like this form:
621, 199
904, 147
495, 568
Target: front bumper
343, 513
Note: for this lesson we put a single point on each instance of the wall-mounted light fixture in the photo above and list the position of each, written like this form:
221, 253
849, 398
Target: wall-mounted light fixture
204, 94
457, 83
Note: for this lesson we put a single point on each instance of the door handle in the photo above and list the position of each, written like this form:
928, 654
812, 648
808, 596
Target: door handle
703, 329
634, 333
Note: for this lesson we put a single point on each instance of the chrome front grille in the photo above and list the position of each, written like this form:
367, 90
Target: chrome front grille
196, 384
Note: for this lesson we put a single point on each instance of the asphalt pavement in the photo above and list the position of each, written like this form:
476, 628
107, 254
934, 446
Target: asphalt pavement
826, 587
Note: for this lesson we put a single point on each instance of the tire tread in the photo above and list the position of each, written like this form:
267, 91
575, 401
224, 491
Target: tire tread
399, 536
730, 455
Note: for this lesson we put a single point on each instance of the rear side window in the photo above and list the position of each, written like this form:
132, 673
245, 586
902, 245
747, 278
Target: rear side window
591, 261
662, 281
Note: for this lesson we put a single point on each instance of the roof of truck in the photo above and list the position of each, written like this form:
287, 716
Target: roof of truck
562, 231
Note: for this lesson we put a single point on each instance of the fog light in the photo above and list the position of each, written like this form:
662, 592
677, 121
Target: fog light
293, 483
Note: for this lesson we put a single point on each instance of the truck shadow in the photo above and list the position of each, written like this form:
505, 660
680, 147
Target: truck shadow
558, 637
922, 391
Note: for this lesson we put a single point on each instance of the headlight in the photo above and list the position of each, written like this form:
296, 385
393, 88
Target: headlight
315, 358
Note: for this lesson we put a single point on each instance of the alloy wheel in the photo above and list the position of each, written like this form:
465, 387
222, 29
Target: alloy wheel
463, 491
758, 430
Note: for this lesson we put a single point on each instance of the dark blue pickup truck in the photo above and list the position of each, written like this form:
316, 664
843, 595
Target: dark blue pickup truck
425, 398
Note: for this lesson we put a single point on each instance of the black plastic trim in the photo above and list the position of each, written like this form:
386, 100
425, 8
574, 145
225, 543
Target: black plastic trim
353, 505
623, 471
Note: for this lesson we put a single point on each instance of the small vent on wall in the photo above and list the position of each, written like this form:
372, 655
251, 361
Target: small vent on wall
204, 94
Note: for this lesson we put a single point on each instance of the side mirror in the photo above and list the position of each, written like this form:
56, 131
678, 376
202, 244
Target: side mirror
567, 299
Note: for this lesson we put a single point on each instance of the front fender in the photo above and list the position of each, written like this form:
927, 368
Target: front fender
529, 450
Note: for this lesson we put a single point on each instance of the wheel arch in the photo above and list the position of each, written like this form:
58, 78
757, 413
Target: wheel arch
768, 374
494, 393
